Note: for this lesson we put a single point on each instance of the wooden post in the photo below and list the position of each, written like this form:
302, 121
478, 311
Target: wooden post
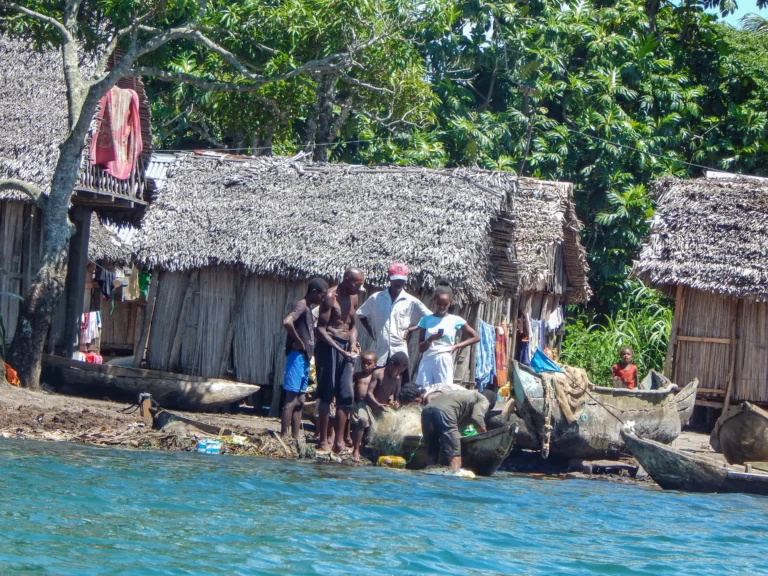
154, 285
75, 282
732, 356
178, 335
679, 306
234, 317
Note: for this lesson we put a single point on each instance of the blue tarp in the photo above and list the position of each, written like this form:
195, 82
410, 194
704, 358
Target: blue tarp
543, 363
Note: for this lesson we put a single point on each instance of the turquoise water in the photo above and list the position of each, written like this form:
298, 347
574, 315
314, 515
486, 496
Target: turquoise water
69, 509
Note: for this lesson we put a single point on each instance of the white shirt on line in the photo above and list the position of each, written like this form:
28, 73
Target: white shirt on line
389, 320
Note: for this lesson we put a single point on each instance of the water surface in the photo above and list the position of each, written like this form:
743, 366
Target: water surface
70, 509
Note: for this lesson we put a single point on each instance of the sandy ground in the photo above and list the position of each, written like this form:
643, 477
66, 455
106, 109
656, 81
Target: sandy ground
28, 414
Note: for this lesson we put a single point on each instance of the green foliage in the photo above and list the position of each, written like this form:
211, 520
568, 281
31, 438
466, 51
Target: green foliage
642, 322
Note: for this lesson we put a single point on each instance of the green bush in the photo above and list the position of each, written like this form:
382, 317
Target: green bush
642, 321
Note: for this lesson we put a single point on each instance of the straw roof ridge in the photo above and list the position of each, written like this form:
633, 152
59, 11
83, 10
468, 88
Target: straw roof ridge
283, 217
104, 245
709, 234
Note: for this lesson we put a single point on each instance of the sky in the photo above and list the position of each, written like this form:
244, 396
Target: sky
745, 7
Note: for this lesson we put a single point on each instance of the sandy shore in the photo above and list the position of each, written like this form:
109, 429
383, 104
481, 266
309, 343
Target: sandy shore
41, 415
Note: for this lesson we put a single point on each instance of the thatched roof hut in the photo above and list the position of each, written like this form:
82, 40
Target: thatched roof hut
275, 217
33, 122
234, 240
708, 248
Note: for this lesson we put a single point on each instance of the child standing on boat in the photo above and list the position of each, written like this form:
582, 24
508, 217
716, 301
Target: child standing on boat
437, 340
625, 373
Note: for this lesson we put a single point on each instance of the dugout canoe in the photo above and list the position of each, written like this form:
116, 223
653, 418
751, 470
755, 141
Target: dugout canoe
596, 433
122, 384
742, 433
685, 397
483, 454
674, 469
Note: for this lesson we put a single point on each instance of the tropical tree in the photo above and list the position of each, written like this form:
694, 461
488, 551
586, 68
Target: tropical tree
147, 32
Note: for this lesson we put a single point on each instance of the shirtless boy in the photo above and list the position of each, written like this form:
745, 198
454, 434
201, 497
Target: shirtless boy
361, 414
335, 354
384, 389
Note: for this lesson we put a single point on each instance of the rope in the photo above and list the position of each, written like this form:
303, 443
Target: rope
408, 461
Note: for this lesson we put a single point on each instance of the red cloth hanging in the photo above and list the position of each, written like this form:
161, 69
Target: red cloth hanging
116, 142
501, 356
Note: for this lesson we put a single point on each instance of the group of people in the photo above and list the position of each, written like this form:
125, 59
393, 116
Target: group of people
390, 318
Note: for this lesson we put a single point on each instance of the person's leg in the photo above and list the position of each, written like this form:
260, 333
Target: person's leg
345, 399
326, 370
450, 444
429, 436
357, 440
348, 434
323, 417
287, 414
298, 408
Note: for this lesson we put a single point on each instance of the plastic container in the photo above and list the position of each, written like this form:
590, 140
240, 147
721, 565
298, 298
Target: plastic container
391, 461
206, 446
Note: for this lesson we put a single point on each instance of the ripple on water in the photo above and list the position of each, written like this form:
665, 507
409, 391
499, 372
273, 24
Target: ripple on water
71, 509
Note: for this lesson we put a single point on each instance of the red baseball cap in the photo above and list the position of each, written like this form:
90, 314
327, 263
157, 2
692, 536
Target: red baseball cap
398, 272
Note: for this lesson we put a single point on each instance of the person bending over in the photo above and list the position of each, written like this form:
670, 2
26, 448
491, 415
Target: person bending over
299, 348
444, 414
437, 340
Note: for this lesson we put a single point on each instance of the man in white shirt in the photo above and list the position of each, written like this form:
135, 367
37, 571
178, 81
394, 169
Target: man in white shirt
388, 314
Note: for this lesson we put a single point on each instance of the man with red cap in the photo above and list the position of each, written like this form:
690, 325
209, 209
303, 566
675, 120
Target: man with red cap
387, 316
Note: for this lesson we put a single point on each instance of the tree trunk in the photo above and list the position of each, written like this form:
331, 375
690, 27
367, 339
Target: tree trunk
47, 287
326, 95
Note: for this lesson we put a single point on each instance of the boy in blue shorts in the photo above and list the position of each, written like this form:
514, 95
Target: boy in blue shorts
299, 347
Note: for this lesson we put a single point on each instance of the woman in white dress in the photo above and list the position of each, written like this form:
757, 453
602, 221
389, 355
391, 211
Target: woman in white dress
437, 340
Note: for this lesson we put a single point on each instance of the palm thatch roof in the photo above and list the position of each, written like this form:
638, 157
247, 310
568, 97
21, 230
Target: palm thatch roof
33, 113
709, 234
106, 245
282, 217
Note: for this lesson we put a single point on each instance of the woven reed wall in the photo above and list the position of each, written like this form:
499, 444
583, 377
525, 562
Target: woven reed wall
751, 381
708, 315
257, 352
704, 315
20, 247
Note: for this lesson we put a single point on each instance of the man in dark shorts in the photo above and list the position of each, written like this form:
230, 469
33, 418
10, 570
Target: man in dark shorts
335, 354
444, 415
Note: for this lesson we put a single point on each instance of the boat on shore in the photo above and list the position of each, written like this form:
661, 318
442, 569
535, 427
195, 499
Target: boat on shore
742, 433
686, 401
483, 453
674, 469
594, 431
123, 384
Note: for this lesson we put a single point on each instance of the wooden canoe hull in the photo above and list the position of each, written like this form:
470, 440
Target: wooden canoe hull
743, 434
174, 391
676, 470
483, 454
597, 433
686, 401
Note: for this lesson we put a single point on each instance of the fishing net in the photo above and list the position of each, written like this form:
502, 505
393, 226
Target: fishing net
393, 426
570, 390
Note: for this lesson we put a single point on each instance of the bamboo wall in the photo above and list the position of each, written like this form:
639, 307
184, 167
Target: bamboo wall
20, 253
256, 352
707, 315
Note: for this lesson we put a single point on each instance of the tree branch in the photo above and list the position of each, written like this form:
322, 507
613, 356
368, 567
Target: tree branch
38, 16
360, 84
26, 188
